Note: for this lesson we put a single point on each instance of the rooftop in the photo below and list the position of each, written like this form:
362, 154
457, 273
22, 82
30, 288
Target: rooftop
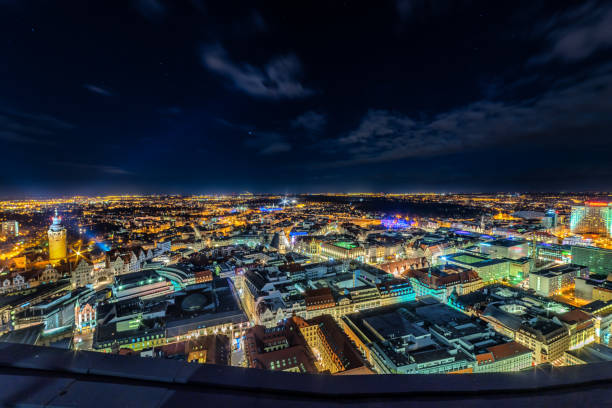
345, 244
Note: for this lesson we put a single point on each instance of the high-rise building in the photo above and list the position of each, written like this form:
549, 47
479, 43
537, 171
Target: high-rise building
10, 228
592, 218
598, 260
551, 281
550, 219
57, 239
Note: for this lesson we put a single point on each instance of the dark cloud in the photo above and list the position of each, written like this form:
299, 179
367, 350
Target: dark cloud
277, 79
103, 168
267, 143
152, 10
311, 121
258, 21
97, 89
576, 104
410, 94
170, 110
23, 127
577, 33
10, 136
423, 10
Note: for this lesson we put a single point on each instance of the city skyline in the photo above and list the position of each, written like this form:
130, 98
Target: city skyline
194, 97
334, 203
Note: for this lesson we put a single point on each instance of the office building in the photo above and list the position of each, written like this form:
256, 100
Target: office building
553, 252
489, 270
551, 281
592, 218
598, 260
505, 248
550, 219
428, 337
547, 339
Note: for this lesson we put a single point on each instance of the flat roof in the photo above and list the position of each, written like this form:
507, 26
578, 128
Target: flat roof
345, 244
592, 353
506, 243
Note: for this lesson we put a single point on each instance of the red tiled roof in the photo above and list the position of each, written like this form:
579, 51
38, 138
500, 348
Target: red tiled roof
574, 316
506, 350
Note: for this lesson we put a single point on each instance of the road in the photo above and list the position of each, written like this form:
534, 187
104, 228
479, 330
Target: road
83, 341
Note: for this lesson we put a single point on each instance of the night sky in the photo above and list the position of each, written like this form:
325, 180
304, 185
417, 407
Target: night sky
161, 96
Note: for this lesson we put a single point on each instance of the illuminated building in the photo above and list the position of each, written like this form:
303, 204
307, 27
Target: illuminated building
598, 260
441, 282
10, 228
580, 326
280, 348
488, 269
331, 347
211, 349
83, 274
505, 358
57, 240
594, 287
135, 334
427, 337
602, 312
145, 284
85, 317
505, 248
342, 250
319, 299
547, 339
280, 242
55, 312
593, 353
550, 219
551, 281
396, 291
553, 252
592, 218
603, 293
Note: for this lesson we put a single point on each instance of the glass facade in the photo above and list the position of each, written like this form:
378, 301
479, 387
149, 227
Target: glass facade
592, 218
598, 260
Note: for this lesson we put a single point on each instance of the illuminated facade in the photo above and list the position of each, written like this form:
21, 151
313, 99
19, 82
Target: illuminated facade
85, 317
598, 260
489, 270
10, 228
505, 248
580, 326
555, 280
342, 250
547, 339
441, 282
592, 218
57, 240
330, 346
554, 252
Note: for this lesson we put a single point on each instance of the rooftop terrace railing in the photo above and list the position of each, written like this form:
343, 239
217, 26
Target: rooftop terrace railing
44, 376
